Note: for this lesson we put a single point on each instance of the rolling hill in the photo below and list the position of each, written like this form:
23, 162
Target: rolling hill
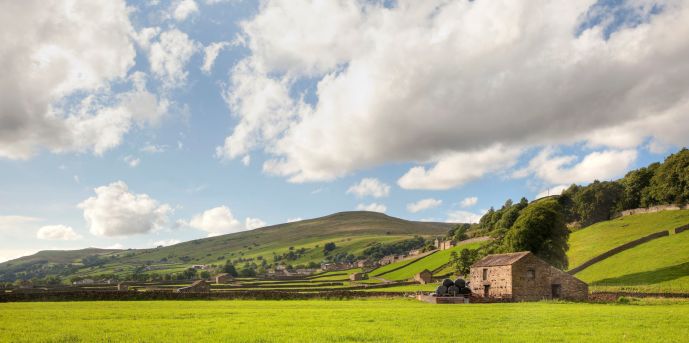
351, 232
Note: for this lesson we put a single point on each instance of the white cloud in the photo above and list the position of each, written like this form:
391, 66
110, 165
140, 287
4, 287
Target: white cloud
246, 160
463, 217
210, 53
457, 169
169, 56
57, 232
253, 223
115, 246
556, 190
369, 187
62, 59
292, 220
394, 84
184, 8
220, 221
374, 207
166, 242
423, 204
131, 161
564, 169
468, 202
154, 149
115, 211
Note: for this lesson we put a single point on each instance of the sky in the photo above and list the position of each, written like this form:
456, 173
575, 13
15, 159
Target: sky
133, 124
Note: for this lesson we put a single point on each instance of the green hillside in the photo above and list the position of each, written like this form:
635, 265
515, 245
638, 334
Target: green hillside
430, 262
661, 265
351, 231
601, 237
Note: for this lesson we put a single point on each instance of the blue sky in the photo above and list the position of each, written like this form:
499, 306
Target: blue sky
433, 101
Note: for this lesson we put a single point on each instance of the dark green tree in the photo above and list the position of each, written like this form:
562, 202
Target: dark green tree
598, 201
328, 247
540, 229
462, 262
634, 183
670, 183
230, 269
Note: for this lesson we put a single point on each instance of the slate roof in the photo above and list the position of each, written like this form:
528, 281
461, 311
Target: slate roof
501, 259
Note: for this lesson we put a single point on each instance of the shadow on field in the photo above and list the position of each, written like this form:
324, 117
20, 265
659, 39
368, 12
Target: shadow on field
648, 277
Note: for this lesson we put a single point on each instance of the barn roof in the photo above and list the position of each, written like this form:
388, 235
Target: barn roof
501, 259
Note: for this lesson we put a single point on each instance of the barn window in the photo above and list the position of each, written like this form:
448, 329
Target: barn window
530, 274
485, 273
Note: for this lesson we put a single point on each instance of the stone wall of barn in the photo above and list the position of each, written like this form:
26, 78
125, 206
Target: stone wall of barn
533, 279
499, 278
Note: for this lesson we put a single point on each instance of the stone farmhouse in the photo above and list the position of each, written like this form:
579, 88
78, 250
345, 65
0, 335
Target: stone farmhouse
522, 276
200, 286
223, 278
424, 277
443, 245
357, 276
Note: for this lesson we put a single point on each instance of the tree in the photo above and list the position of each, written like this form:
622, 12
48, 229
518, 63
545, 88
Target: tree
598, 201
328, 247
540, 229
670, 182
205, 274
230, 269
462, 262
634, 183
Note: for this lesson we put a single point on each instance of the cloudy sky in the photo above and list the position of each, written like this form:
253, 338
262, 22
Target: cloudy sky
141, 123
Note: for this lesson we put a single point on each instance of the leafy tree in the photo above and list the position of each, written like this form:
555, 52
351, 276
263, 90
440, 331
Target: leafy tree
205, 274
540, 229
247, 271
462, 262
328, 247
598, 201
230, 269
634, 183
670, 183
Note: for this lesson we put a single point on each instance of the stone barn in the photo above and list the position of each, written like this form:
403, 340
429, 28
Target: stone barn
223, 278
357, 276
200, 286
424, 277
122, 286
522, 276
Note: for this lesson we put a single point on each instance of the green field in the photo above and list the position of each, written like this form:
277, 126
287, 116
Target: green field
661, 265
601, 237
430, 262
340, 321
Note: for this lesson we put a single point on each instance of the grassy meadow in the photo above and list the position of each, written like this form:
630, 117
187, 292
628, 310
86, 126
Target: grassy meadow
381, 320
601, 237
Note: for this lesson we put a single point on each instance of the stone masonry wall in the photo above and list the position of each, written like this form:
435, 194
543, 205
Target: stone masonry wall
499, 278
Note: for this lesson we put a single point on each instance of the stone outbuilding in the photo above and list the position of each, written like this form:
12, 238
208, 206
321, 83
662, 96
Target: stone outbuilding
357, 276
223, 278
200, 286
522, 276
424, 277
122, 286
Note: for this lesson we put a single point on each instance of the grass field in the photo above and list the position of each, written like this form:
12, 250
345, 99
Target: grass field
661, 265
601, 237
430, 262
340, 321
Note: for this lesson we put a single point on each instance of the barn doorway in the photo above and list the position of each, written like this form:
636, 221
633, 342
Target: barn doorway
486, 291
556, 291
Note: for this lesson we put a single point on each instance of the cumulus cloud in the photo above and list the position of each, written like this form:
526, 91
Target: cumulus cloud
392, 84
468, 202
457, 169
184, 8
463, 217
115, 211
423, 204
374, 207
369, 187
220, 220
169, 55
57, 232
62, 59
567, 169
210, 53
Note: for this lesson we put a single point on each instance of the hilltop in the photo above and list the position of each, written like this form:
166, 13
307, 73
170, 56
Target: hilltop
350, 231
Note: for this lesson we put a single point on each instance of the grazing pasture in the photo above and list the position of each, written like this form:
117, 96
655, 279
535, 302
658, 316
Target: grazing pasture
382, 320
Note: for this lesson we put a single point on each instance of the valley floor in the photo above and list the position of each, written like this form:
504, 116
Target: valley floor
380, 320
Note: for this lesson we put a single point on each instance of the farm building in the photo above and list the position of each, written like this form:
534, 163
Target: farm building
84, 282
424, 277
122, 286
522, 276
443, 245
25, 284
390, 259
200, 286
366, 264
223, 278
357, 276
